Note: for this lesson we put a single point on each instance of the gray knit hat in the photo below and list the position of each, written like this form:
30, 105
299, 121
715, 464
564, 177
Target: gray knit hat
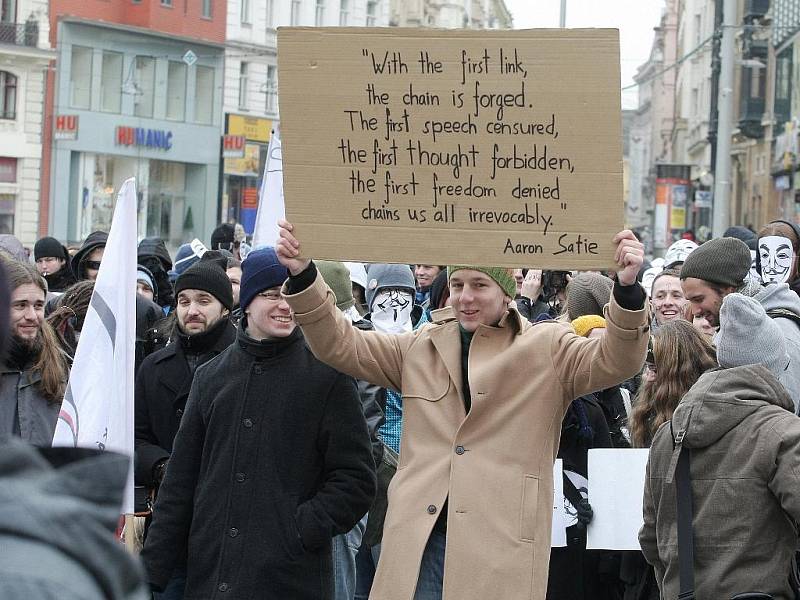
587, 294
337, 276
724, 261
381, 276
747, 336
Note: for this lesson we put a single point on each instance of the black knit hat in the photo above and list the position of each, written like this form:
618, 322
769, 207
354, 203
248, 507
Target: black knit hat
222, 236
724, 261
208, 277
49, 247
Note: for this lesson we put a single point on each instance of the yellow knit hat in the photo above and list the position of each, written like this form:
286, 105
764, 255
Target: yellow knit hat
583, 325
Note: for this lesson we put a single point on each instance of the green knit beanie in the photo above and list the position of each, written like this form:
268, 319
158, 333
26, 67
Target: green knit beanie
503, 277
337, 276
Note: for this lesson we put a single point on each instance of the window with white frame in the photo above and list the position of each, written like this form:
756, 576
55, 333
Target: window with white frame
319, 15
8, 95
204, 95
294, 17
243, 84
270, 13
372, 11
176, 90
206, 9
272, 89
145, 86
245, 16
111, 82
344, 12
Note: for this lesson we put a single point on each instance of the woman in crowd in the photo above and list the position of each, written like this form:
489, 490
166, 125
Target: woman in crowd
34, 372
679, 355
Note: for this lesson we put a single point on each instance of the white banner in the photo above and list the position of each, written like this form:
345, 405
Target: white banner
616, 493
271, 207
558, 536
97, 411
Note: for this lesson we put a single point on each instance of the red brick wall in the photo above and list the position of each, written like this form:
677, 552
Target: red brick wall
183, 18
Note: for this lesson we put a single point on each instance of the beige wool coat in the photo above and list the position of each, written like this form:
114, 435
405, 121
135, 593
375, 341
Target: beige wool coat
495, 464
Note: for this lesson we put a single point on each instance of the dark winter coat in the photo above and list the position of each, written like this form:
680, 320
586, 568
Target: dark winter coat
744, 443
577, 573
162, 388
272, 459
148, 313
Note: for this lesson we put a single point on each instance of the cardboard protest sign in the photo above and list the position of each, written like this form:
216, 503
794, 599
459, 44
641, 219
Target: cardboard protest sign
494, 148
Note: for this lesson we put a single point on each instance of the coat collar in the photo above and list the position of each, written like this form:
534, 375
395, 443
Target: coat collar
511, 318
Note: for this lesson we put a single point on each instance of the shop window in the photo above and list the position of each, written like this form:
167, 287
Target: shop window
204, 95
272, 89
80, 77
206, 9
319, 16
176, 91
111, 82
8, 95
243, 84
7, 204
145, 86
294, 18
344, 13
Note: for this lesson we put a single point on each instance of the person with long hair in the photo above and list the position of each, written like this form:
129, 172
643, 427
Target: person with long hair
34, 372
69, 313
678, 356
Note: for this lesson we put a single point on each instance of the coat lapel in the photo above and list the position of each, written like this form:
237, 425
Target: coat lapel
447, 341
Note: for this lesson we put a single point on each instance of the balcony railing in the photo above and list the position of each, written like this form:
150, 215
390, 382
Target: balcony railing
20, 34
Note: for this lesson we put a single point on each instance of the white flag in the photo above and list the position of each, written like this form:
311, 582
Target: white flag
97, 411
270, 196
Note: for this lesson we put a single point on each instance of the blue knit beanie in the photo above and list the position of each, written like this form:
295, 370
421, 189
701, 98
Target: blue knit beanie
260, 271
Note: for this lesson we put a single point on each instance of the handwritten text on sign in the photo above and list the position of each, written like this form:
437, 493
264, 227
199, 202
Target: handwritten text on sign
498, 148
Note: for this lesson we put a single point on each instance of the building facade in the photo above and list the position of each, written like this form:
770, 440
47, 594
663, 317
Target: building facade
24, 60
452, 14
137, 95
251, 84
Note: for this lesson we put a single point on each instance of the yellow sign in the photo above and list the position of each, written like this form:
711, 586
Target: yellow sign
247, 166
253, 129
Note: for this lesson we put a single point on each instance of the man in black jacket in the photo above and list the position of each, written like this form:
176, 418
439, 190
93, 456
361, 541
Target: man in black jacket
204, 330
272, 460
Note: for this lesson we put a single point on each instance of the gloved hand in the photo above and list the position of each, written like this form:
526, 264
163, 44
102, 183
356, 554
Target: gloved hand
585, 513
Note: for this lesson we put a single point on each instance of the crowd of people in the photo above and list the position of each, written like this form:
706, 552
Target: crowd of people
327, 430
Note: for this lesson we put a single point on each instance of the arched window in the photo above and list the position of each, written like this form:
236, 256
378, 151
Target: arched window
8, 95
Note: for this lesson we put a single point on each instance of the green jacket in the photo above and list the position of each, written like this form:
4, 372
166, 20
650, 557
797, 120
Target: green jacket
745, 470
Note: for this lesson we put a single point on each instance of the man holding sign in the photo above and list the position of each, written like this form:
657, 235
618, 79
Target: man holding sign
484, 394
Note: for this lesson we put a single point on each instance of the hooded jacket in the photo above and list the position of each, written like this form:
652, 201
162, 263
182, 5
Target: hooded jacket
59, 542
96, 239
779, 297
155, 246
745, 470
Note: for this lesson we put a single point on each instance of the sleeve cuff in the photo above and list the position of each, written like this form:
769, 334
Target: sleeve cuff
629, 297
303, 280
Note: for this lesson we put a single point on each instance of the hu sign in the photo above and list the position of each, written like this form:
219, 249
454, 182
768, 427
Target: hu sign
143, 138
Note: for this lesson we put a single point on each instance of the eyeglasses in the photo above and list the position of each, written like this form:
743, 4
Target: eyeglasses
271, 295
92, 264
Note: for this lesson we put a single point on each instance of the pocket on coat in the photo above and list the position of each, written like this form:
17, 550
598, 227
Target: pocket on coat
292, 540
431, 390
530, 503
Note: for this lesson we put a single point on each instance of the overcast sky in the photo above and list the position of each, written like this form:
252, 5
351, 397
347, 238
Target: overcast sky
634, 18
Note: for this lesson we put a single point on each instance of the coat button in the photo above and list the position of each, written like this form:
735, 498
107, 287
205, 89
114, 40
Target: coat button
240, 477
233, 532
431, 510
460, 450
258, 370
223, 587
248, 423
179, 413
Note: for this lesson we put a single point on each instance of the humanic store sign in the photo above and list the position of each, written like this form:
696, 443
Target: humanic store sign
143, 138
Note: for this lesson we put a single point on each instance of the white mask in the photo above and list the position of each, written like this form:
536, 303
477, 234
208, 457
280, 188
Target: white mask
777, 256
391, 311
